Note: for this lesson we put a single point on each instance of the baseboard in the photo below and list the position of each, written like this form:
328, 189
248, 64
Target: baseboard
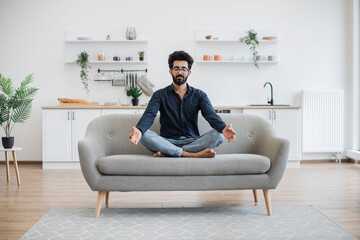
353, 154
22, 162
345, 160
293, 164
61, 165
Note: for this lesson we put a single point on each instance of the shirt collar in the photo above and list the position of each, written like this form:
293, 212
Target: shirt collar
171, 88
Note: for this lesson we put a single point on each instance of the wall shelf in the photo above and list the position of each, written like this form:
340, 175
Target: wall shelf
105, 41
125, 62
228, 45
101, 35
114, 62
236, 41
202, 61
118, 45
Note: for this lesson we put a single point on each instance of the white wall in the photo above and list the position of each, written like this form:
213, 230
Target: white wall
312, 48
354, 72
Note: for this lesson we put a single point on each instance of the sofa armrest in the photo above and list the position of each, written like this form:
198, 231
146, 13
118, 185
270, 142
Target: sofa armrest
89, 152
277, 149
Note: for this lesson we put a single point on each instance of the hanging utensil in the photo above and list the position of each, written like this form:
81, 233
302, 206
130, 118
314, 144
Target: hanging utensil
127, 84
132, 80
129, 81
130, 75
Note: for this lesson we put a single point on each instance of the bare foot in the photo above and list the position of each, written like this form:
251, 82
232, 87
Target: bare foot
206, 153
160, 154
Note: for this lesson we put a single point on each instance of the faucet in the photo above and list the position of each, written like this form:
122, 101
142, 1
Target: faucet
271, 102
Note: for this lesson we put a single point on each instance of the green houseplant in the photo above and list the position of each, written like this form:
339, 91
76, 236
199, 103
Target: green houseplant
135, 93
83, 62
141, 55
251, 39
15, 105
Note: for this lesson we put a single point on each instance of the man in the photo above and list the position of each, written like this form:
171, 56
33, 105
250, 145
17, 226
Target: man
179, 105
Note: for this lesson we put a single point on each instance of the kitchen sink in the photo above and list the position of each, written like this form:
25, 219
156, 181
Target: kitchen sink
268, 105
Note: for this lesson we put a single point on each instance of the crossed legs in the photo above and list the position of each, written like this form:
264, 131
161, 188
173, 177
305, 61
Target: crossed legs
184, 147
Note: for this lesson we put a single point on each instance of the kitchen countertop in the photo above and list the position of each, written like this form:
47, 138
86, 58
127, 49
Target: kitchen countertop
143, 107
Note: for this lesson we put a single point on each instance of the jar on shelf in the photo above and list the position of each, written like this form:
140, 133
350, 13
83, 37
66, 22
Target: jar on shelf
101, 56
130, 33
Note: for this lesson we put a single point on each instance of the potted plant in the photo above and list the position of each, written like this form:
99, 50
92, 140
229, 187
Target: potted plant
135, 93
15, 105
83, 62
141, 55
251, 39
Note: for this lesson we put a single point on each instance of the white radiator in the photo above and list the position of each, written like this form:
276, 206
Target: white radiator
323, 121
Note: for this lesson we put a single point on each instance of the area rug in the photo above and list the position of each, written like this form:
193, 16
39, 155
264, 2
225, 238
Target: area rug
220, 223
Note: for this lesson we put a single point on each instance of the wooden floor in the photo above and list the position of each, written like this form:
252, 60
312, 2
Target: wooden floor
332, 188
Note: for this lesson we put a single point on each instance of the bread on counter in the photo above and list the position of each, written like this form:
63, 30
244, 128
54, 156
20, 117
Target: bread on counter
70, 100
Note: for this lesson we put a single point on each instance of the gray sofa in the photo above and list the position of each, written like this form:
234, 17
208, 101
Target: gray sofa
110, 162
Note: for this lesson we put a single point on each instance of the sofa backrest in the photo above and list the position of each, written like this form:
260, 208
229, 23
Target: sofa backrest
113, 132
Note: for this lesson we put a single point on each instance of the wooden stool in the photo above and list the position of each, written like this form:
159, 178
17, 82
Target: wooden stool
13, 149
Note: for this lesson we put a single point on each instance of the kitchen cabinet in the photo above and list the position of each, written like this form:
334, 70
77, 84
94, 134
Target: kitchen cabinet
57, 135
62, 129
95, 42
286, 123
226, 43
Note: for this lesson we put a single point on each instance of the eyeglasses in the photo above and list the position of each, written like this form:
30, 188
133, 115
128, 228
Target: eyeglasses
177, 69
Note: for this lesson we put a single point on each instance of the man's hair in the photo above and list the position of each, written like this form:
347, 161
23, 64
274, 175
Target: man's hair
180, 56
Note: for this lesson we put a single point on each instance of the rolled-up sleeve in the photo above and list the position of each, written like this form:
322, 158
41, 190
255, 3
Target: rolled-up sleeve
149, 115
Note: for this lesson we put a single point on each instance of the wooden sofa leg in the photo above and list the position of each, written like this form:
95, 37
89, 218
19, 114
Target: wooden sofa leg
99, 201
255, 195
267, 200
107, 198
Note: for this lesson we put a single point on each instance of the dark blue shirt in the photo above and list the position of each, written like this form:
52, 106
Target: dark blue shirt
179, 118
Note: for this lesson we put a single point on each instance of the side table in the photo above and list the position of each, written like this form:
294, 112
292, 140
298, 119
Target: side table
13, 150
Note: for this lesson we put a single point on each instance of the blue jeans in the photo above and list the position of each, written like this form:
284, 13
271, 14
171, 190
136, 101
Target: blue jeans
175, 147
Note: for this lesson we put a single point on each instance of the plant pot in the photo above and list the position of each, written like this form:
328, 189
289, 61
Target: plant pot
141, 58
135, 102
8, 142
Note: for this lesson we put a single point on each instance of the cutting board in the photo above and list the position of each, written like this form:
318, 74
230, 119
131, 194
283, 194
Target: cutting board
79, 104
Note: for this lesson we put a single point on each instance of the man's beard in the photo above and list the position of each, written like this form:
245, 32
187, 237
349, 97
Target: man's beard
179, 81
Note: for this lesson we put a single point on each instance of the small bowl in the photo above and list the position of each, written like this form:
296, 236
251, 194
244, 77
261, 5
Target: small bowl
116, 58
84, 38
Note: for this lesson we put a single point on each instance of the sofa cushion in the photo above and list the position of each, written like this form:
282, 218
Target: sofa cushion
146, 165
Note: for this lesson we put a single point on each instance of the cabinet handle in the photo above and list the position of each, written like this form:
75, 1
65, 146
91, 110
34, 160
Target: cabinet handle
73, 115
68, 115
269, 115
274, 115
